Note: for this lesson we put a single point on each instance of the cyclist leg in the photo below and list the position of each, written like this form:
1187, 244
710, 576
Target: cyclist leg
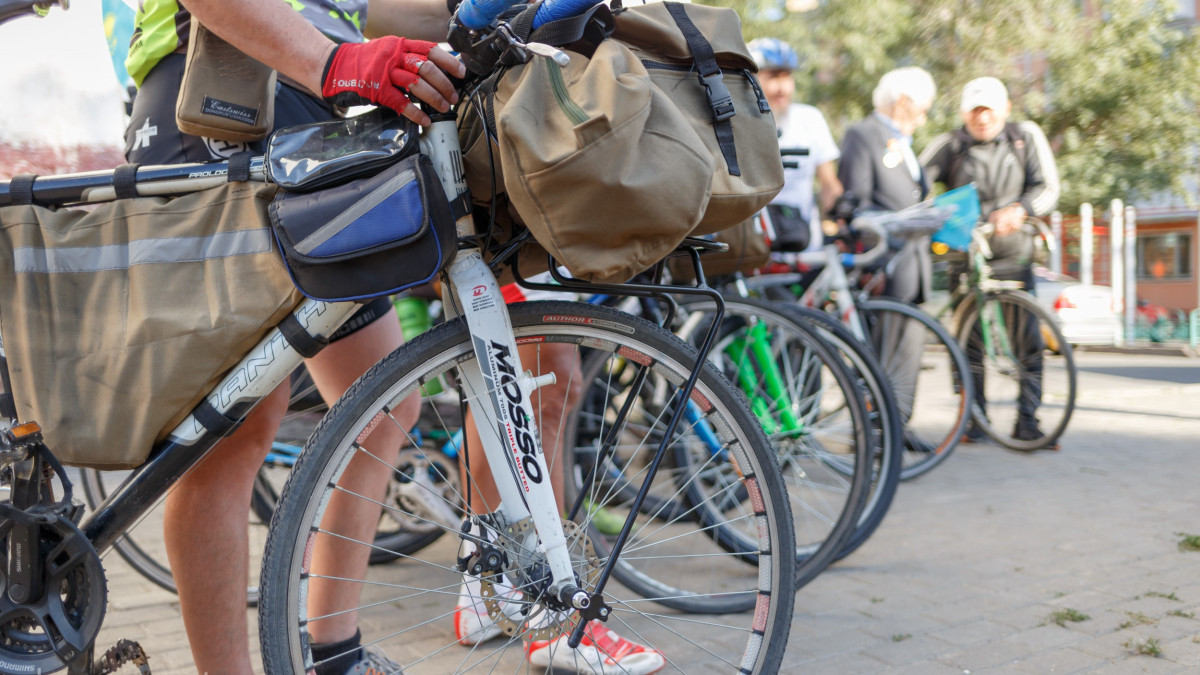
205, 528
333, 371
210, 506
1030, 348
904, 340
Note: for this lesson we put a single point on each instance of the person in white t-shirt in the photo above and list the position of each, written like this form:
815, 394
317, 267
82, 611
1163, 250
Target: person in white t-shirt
794, 211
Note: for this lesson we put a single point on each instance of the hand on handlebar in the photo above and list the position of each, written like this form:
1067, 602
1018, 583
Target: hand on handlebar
1008, 220
382, 71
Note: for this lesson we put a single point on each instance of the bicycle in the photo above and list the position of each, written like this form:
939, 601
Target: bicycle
801, 393
933, 395
560, 574
1022, 366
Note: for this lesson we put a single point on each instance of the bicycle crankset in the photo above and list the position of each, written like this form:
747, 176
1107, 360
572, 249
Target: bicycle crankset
56, 627
533, 612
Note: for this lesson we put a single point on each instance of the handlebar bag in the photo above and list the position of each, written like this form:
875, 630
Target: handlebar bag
367, 238
612, 160
696, 55
118, 320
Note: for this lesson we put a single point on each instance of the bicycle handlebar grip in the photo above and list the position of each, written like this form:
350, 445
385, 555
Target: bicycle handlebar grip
477, 14
553, 10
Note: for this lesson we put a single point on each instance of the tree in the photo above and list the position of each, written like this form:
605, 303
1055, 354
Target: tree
1115, 86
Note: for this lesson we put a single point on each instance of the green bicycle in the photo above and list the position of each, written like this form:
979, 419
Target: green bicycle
1023, 368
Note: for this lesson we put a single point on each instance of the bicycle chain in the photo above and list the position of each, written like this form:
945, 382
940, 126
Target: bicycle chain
125, 651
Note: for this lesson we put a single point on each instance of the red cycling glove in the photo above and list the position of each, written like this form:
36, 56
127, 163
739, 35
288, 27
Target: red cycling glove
376, 71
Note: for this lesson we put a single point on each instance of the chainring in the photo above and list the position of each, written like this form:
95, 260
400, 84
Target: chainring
526, 568
40, 636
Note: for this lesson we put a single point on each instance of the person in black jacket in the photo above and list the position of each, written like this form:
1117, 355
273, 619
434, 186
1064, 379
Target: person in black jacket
1014, 171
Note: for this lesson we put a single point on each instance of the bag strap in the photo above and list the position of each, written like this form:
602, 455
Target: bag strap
239, 166
720, 102
20, 189
582, 32
125, 181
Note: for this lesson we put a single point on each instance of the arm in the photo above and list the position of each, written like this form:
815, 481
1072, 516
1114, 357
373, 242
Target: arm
271, 32
856, 169
419, 19
830, 188
1041, 173
383, 72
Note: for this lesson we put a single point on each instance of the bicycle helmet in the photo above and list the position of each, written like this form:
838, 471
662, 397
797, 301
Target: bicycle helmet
773, 54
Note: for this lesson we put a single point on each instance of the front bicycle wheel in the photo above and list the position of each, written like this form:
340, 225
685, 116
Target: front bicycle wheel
406, 609
812, 410
928, 372
1025, 391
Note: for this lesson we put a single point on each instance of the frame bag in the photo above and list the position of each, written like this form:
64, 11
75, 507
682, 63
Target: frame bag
367, 238
117, 321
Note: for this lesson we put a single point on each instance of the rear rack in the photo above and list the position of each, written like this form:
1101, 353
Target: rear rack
147, 181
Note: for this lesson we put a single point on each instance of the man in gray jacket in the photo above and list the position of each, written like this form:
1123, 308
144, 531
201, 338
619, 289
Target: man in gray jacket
1014, 171
878, 166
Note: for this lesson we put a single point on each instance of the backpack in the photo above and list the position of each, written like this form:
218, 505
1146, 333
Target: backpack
612, 160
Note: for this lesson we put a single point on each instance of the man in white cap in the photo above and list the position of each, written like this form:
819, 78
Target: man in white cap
1014, 171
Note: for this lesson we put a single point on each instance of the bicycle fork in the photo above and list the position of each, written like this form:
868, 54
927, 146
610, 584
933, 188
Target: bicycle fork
499, 386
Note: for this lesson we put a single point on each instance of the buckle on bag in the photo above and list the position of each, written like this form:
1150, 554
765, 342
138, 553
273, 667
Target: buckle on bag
719, 99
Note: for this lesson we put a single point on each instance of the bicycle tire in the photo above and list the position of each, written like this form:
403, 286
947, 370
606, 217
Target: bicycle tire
751, 642
887, 430
933, 429
827, 466
1058, 392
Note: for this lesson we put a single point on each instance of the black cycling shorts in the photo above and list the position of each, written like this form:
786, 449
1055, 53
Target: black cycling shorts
152, 137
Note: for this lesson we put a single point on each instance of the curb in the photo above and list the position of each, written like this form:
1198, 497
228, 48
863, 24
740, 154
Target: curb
1145, 349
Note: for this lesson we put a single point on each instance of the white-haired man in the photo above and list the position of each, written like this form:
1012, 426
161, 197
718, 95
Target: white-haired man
879, 167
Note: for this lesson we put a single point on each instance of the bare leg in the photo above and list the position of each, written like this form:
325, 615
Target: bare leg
350, 515
205, 525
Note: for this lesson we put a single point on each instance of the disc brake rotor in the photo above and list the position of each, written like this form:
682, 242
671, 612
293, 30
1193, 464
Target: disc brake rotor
527, 612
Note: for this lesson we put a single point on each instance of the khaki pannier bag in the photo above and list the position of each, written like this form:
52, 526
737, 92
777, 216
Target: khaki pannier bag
118, 320
612, 160
748, 251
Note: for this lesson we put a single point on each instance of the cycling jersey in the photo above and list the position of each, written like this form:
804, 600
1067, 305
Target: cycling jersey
162, 28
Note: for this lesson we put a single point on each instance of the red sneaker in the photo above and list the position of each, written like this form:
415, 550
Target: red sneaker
602, 652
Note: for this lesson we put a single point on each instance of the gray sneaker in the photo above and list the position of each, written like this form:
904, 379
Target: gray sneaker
374, 662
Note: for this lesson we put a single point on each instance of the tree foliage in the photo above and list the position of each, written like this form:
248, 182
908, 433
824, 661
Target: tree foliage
1115, 85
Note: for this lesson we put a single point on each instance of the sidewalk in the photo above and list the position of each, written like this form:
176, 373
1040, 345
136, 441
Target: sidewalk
977, 560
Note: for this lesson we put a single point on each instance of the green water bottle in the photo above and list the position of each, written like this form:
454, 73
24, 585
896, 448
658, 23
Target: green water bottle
414, 320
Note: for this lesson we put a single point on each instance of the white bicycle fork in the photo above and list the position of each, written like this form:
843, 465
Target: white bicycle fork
499, 386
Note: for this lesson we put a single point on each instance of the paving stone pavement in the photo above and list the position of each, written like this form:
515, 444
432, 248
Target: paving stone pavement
977, 559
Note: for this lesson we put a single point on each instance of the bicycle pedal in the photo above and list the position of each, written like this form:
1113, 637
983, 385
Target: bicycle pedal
125, 651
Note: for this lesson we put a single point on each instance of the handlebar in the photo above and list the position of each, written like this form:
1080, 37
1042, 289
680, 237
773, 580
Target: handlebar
554, 10
11, 9
1032, 226
479, 14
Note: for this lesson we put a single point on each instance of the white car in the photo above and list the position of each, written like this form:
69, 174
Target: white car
1085, 313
